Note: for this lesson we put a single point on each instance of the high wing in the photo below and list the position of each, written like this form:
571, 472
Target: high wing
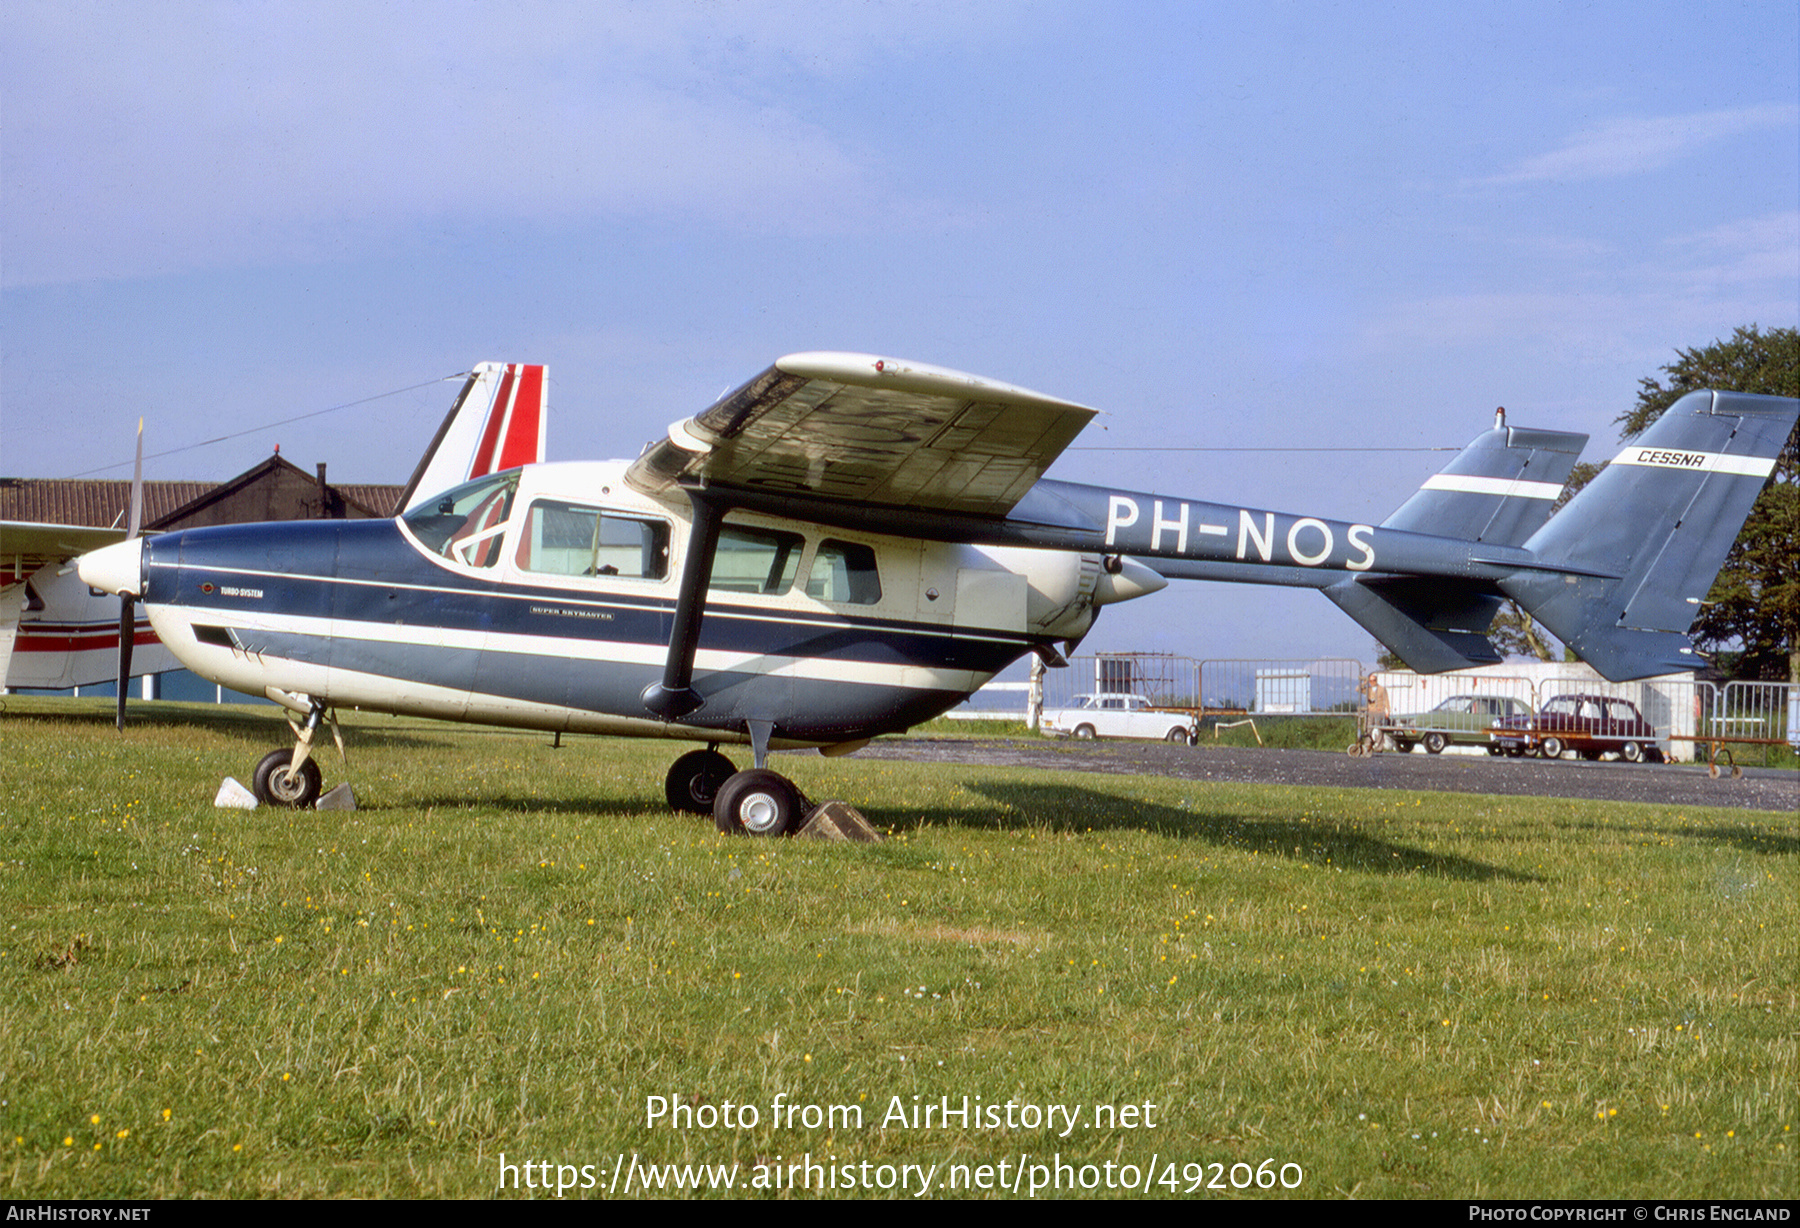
27, 546
869, 430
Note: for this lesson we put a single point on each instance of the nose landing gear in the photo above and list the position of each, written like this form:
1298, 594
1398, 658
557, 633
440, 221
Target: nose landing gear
291, 778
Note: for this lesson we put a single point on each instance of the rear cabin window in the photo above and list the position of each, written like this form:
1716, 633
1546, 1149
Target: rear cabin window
569, 539
844, 572
464, 524
762, 561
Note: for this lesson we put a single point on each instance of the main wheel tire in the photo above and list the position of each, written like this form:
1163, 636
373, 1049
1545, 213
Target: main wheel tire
695, 779
1554, 748
1631, 752
1085, 733
1435, 743
276, 785
758, 802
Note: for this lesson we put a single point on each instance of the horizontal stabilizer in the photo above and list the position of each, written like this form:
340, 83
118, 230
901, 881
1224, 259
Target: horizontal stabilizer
1433, 625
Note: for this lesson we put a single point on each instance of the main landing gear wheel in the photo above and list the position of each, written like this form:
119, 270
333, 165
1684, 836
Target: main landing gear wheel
694, 781
276, 783
758, 802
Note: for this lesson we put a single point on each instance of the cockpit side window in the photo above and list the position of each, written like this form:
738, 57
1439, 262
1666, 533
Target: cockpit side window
756, 560
465, 524
568, 539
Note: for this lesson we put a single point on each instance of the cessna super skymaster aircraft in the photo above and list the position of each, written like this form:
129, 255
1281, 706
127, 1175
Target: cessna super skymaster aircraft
847, 545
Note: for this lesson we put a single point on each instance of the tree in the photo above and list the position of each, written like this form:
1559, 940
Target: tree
1753, 610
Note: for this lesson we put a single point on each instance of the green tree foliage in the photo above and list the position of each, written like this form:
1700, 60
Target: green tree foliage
1516, 634
1752, 615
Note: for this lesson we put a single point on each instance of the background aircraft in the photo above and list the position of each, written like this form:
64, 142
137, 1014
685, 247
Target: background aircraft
848, 545
56, 633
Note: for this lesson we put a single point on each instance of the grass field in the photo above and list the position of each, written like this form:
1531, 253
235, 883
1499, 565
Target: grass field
514, 950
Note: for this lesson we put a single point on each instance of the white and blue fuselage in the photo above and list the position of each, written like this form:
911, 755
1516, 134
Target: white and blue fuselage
544, 598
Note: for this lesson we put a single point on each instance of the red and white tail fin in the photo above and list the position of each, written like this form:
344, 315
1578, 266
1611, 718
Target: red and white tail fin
498, 421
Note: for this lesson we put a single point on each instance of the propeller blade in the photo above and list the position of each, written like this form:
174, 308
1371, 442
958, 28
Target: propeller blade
137, 487
127, 610
127, 634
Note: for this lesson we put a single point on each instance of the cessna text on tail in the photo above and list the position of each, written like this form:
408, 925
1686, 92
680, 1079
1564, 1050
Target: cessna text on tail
848, 545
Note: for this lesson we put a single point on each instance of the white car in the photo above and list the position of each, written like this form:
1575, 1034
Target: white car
1107, 715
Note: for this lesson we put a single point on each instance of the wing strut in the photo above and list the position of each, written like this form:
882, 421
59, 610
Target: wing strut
675, 697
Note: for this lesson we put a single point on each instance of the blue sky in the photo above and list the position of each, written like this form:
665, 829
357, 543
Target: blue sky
1301, 225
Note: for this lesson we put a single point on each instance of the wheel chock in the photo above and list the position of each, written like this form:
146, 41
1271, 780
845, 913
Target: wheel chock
233, 796
835, 820
338, 797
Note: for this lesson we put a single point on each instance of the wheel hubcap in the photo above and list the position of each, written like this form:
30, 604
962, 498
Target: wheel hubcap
761, 812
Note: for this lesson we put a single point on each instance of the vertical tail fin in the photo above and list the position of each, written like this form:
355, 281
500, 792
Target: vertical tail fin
1652, 531
497, 422
1498, 490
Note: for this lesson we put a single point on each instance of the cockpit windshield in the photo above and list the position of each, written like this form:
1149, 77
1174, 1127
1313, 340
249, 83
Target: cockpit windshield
465, 524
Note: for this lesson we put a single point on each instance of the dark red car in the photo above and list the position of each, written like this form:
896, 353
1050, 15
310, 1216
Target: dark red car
1590, 725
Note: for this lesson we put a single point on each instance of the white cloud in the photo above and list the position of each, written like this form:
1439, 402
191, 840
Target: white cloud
1631, 146
219, 135
1747, 251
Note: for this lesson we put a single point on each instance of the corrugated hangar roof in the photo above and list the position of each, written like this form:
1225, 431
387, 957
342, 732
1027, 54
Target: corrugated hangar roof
276, 489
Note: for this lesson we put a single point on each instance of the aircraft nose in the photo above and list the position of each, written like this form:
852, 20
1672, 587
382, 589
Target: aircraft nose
117, 569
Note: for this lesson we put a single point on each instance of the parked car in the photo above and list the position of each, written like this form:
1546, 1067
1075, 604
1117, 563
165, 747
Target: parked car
1590, 725
1461, 718
1118, 715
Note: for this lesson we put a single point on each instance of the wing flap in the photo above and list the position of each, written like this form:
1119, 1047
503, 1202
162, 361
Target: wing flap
870, 430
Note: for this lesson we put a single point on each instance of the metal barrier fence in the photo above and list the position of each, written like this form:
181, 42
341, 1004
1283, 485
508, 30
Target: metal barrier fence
1693, 720
1745, 718
1212, 687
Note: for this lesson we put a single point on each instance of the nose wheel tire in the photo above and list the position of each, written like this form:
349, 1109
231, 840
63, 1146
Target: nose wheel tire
758, 802
276, 784
694, 781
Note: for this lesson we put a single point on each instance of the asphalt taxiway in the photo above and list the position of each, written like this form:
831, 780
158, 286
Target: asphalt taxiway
1669, 784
